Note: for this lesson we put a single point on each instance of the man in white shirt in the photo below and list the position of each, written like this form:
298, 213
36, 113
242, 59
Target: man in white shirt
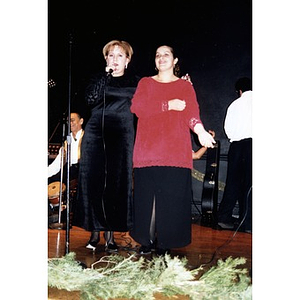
76, 137
238, 128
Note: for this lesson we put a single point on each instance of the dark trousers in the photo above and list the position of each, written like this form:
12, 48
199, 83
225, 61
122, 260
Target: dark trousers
238, 183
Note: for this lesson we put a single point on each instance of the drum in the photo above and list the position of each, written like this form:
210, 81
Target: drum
53, 192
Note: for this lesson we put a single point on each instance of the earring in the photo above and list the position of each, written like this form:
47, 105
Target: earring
126, 66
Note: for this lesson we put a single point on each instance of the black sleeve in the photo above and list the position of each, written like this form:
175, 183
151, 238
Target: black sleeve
95, 90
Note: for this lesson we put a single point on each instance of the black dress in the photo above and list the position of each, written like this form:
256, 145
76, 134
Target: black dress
104, 195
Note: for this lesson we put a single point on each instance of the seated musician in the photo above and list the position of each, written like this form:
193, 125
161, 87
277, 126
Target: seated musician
76, 137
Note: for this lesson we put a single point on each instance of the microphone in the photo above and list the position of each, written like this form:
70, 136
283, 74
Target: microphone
109, 72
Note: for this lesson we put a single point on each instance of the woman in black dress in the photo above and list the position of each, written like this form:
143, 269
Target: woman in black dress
105, 175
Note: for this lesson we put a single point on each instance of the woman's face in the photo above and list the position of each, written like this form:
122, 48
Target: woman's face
164, 58
116, 60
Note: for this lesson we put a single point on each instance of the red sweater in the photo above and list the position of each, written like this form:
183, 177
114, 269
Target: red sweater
163, 137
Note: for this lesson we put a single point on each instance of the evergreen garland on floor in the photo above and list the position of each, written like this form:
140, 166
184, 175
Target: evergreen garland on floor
137, 278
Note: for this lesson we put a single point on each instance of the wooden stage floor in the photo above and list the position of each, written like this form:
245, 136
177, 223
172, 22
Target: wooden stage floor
205, 241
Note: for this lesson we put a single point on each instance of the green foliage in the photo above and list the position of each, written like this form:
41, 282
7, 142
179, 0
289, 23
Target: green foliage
137, 278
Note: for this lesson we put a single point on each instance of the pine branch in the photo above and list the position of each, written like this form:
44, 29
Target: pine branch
134, 278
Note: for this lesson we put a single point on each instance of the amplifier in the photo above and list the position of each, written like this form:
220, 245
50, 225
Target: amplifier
53, 150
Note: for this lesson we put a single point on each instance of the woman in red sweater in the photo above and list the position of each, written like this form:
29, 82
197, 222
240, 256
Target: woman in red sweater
167, 108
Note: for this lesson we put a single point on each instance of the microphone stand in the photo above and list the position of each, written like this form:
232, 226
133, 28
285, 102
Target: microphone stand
68, 161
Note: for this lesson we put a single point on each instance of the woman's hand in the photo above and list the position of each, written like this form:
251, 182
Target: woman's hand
187, 77
204, 137
199, 153
176, 104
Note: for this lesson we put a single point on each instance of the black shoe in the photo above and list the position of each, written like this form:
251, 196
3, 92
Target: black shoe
161, 251
145, 249
91, 245
94, 240
111, 247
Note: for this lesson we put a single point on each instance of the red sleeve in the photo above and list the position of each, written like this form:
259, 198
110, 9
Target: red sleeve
192, 111
142, 103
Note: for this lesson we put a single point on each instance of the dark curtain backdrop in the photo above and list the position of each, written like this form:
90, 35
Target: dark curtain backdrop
213, 40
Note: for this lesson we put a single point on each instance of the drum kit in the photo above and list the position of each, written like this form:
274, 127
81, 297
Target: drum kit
56, 190
56, 195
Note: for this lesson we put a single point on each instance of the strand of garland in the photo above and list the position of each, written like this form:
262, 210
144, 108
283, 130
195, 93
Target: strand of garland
137, 278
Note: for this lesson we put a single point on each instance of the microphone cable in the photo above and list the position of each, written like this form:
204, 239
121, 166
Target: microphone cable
235, 232
107, 81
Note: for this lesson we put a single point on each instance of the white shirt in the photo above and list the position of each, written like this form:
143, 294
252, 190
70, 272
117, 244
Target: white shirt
238, 120
54, 167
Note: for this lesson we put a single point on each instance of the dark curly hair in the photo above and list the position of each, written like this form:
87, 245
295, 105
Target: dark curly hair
244, 84
176, 67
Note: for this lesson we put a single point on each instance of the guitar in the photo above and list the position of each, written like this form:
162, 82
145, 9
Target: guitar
209, 200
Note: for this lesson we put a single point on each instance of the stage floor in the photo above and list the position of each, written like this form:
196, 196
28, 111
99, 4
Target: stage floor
202, 251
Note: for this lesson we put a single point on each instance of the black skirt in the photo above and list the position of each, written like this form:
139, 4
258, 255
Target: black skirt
171, 188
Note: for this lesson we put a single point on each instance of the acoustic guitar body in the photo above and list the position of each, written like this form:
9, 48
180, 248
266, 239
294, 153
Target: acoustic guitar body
209, 200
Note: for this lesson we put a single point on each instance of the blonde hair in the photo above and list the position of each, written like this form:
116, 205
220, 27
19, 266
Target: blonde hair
124, 45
